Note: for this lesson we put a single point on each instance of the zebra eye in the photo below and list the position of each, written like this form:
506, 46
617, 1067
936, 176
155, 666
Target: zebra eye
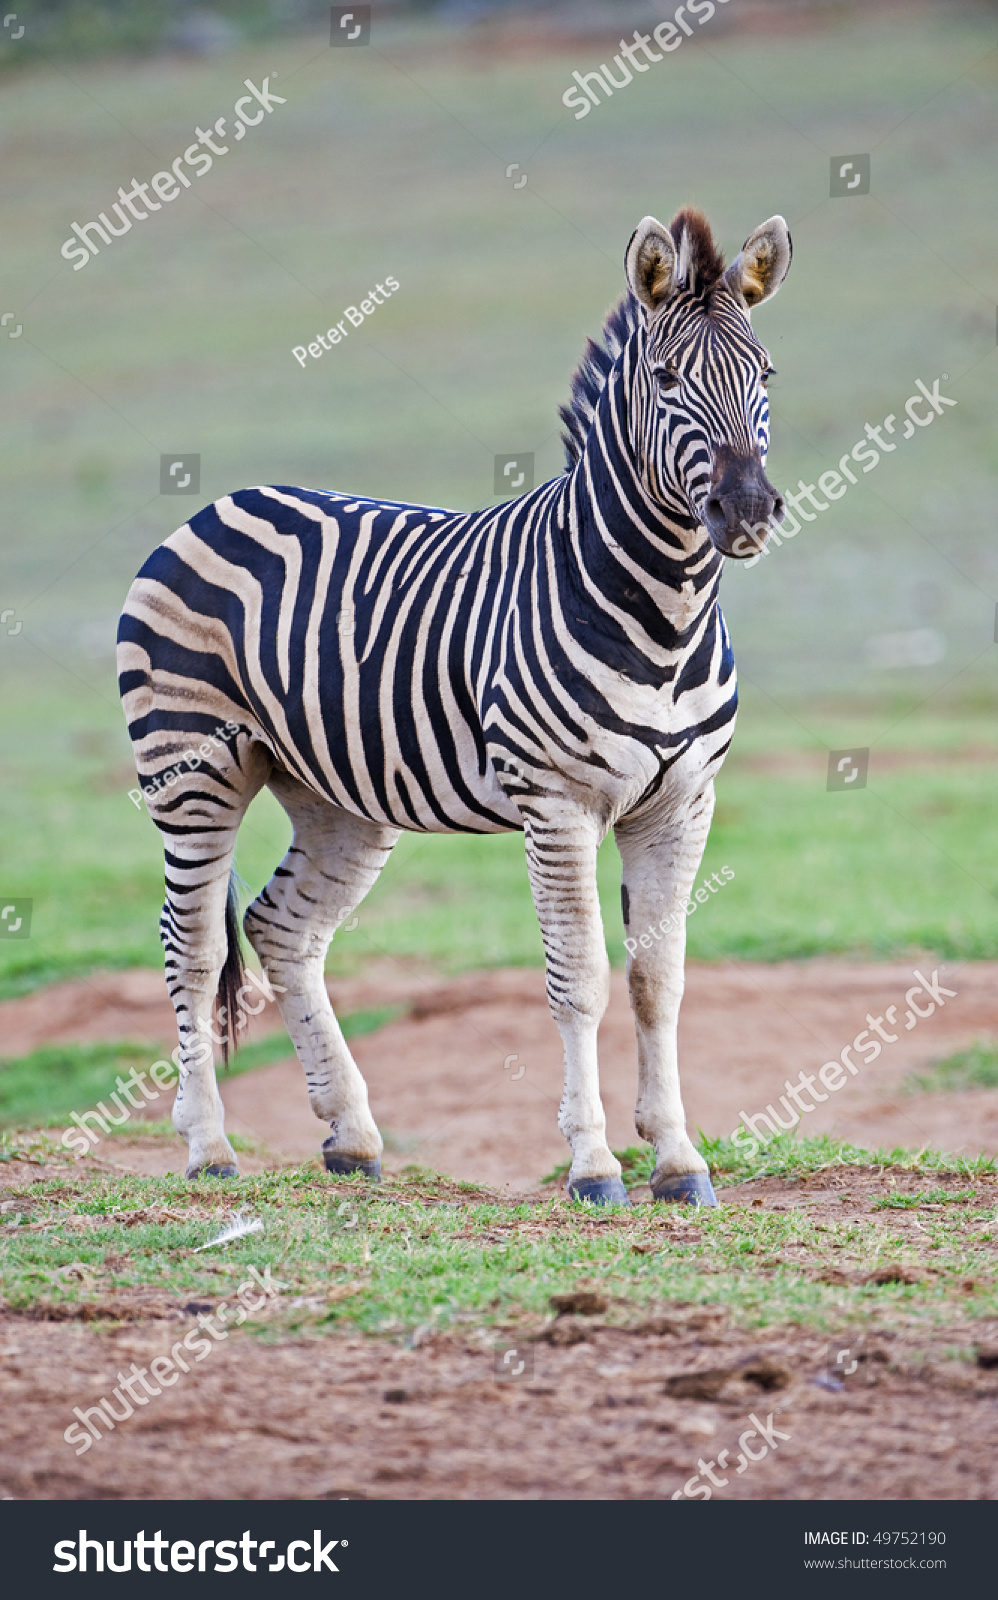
668, 379
768, 372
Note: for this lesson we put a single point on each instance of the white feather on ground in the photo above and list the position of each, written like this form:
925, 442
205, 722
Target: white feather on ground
235, 1230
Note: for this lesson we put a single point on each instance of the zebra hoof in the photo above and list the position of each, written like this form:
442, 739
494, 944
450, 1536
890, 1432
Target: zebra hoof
687, 1188
340, 1164
216, 1170
601, 1191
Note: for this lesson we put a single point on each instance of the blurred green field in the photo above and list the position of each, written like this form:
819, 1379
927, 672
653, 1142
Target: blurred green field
909, 863
179, 337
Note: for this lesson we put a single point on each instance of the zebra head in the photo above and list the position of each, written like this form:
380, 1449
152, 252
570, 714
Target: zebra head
699, 413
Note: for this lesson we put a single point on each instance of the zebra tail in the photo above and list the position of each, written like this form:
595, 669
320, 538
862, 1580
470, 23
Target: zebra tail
233, 974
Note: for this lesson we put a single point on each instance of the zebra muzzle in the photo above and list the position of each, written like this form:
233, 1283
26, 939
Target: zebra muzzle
742, 505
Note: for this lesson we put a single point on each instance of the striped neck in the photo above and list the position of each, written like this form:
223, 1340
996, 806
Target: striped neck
656, 565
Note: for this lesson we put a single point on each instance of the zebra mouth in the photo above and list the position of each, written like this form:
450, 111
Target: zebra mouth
746, 539
742, 506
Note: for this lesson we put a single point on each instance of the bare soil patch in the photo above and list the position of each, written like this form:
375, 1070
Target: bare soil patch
470, 1080
617, 1400
613, 1414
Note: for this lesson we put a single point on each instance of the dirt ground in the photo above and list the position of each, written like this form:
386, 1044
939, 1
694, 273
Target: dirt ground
600, 1411
617, 1406
469, 1082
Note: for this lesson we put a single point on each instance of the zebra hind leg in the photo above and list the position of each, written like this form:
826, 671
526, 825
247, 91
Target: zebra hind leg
198, 818
334, 860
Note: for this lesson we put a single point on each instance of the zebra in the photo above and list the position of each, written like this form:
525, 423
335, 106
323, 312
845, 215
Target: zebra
555, 664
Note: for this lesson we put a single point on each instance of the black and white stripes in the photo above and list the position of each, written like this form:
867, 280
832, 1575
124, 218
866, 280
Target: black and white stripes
557, 664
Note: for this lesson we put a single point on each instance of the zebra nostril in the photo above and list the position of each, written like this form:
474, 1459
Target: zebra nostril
715, 510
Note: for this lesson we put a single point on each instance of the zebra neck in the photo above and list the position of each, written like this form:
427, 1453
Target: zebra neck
657, 567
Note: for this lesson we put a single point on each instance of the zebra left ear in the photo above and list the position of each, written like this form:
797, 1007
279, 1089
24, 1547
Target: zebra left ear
762, 264
650, 263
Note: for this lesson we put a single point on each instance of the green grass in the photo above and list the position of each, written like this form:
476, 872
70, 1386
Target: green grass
930, 1197
41, 1089
179, 335
814, 872
976, 1068
422, 1251
786, 1156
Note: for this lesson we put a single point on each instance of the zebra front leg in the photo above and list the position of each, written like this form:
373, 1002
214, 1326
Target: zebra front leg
659, 872
333, 861
561, 861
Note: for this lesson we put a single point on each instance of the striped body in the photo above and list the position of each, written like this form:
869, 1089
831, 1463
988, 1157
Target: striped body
557, 664
429, 669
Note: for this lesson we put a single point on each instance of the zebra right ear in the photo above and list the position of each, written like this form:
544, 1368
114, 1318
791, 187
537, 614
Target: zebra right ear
650, 263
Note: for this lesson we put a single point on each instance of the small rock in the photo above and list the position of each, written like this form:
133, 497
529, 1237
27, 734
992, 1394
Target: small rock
767, 1374
563, 1331
696, 1427
580, 1303
698, 1385
657, 1325
894, 1273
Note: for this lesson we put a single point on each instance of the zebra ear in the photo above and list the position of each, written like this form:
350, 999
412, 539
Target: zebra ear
762, 264
650, 263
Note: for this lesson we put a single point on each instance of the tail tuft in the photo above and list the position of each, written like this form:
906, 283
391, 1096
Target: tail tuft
232, 977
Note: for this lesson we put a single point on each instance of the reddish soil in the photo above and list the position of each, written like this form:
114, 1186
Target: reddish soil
621, 1405
444, 1081
618, 1405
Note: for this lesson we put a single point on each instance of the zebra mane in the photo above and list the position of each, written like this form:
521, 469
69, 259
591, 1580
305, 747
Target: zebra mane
589, 377
700, 267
